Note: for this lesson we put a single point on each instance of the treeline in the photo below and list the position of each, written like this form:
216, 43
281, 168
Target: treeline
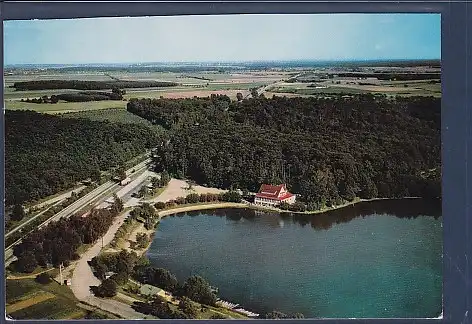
18, 214
58, 242
327, 150
87, 85
127, 265
45, 154
193, 198
78, 97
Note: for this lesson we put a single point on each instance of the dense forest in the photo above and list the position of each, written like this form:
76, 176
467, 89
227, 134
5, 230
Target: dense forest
87, 85
327, 150
45, 154
58, 242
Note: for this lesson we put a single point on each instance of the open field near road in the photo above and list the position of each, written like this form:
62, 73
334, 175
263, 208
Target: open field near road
27, 299
29, 302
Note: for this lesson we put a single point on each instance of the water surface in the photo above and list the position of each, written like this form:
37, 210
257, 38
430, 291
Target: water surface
377, 259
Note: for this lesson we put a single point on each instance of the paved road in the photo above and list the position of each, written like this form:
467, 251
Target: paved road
115, 307
32, 219
83, 278
109, 186
58, 198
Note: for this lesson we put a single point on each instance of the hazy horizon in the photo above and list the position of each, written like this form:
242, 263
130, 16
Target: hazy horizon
223, 38
215, 62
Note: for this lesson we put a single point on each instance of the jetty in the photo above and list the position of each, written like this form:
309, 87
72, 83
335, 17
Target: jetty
235, 308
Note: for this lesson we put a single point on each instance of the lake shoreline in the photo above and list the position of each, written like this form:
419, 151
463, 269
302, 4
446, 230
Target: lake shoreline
220, 205
209, 207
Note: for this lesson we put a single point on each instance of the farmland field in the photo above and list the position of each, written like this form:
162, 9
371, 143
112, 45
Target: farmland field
113, 115
302, 83
27, 299
62, 107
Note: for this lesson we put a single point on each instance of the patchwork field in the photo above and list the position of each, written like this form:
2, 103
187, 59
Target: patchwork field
27, 299
303, 83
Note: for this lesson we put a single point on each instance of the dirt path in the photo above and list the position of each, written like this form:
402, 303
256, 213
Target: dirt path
32, 276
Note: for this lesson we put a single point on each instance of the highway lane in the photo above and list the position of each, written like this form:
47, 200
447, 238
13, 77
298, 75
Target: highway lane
58, 198
107, 188
32, 218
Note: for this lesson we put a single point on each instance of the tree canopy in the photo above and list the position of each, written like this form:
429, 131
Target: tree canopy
327, 150
87, 85
59, 152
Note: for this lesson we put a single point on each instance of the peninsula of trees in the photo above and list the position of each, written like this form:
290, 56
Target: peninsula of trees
327, 150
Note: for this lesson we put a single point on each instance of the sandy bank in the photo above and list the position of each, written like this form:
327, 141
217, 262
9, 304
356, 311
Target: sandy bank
179, 188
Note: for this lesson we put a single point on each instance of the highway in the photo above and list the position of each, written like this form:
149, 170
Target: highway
58, 198
101, 193
32, 219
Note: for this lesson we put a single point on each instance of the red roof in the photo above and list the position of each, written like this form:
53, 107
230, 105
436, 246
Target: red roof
272, 192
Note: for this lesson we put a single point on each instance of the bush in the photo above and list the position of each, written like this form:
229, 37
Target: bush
297, 207
43, 278
120, 278
108, 288
192, 198
180, 200
231, 196
284, 205
160, 205
188, 307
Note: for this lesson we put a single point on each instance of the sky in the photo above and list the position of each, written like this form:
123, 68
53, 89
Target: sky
225, 38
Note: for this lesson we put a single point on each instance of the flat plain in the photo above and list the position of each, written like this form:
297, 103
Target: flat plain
290, 83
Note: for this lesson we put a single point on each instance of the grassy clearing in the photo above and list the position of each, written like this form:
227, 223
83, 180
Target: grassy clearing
49, 309
16, 290
114, 115
62, 107
235, 86
62, 306
29, 302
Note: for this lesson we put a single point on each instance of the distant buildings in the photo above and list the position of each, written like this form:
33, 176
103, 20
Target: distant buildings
269, 195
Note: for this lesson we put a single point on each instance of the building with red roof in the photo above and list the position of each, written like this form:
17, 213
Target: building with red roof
269, 195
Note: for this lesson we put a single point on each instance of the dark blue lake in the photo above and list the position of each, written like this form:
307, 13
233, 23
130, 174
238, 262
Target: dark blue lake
375, 259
